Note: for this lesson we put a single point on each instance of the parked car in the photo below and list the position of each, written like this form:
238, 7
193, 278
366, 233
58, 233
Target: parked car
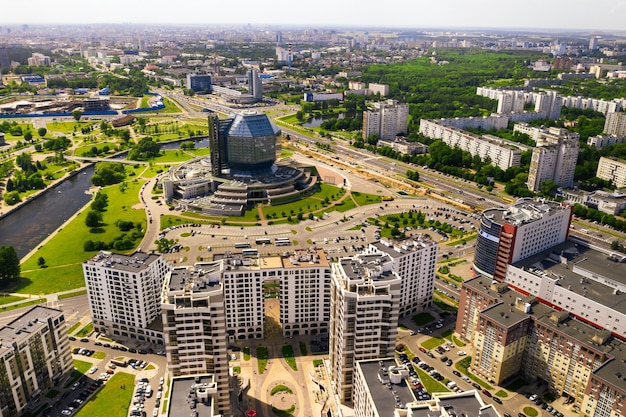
487, 393
498, 400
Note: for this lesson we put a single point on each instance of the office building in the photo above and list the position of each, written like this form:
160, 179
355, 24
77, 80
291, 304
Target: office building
615, 124
34, 356
414, 261
194, 326
612, 169
501, 152
365, 304
255, 86
199, 83
124, 293
507, 235
554, 157
387, 119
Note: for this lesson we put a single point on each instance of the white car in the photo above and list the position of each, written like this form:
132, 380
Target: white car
155, 412
66, 412
462, 353
93, 370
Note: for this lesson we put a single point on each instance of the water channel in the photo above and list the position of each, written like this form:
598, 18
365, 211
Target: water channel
27, 226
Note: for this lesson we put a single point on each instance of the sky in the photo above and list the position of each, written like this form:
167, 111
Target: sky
599, 15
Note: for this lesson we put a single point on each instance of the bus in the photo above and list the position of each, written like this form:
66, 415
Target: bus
263, 241
250, 252
242, 245
282, 241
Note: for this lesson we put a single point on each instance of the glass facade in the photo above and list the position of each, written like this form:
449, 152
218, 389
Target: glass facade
487, 245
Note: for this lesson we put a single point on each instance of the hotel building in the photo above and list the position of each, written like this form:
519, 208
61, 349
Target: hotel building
514, 233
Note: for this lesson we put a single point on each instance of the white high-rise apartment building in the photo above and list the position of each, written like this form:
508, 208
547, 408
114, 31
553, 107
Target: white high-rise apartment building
414, 261
387, 119
34, 356
304, 281
549, 102
124, 293
554, 158
365, 305
194, 326
615, 124
613, 170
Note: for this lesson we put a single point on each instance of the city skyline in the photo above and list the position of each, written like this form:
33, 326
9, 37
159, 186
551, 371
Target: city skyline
533, 14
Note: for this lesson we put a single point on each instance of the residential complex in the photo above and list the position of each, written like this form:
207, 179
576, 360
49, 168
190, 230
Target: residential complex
124, 293
34, 356
554, 157
613, 170
600, 141
194, 326
387, 119
365, 306
502, 153
507, 235
515, 334
615, 124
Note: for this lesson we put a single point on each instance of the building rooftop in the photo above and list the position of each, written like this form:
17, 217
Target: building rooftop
396, 249
25, 326
132, 263
468, 404
386, 395
300, 258
199, 278
361, 267
572, 265
250, 124
524, 210
192, 397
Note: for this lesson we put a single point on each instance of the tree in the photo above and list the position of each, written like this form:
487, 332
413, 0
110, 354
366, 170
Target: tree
100, 202
9, 263
108, 173
77, 114
28, 136
41, 262
42, 132
548, 188
93, 219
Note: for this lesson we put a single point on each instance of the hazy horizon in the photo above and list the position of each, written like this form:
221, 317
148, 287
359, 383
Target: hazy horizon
552, 16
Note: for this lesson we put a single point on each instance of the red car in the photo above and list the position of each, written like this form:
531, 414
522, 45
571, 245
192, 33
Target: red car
423, 349
487, 393
110, 371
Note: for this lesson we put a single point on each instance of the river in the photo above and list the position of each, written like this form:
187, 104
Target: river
26, 227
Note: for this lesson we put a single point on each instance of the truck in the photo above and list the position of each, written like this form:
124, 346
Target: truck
117, 362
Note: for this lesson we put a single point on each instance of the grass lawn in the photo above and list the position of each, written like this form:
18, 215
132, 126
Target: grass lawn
463, 367
6, 299
99, 355
284, 413
112, 400
67, 127
430, 384
363, 199
502, 394
246, 353
64, 253
262, 357
73, 328
174, 156
72, 294
530, 412
169, 220
303, 349
85, 331
82, 366
443, 302
318, 362
26, 304
87, 148
289, 357
422, 319
432, 343
516, 385
281, 388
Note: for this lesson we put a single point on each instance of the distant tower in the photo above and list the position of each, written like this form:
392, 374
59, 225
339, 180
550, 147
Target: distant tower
289, 56
255, 87
279, 37
593, 43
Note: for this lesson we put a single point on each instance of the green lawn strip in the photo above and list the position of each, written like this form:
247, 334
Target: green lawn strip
68, 127
289, 357
463, 367
422, 319
85, 331
430, 384
72, 294
99, 355
169, 220
318, 362
457, 341
74, 327
502, 394
516, 384
80, 368
6, 299
112, 400
303, 350
281, 388
261, 357
246, 353
432, 343
444, 303
26, 304
64, 253
164, 407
